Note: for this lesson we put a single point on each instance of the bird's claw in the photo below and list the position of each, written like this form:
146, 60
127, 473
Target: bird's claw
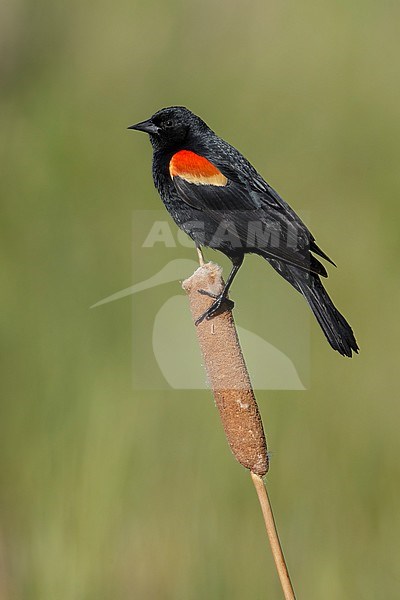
221, 304
210, 294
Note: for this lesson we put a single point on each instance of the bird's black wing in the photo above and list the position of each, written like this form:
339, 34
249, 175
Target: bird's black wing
256, 226
246, 174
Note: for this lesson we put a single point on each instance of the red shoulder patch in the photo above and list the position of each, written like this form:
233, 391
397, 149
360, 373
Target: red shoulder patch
195, 169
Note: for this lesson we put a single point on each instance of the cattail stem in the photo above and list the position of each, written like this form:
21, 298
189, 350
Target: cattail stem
273, 537
230, 382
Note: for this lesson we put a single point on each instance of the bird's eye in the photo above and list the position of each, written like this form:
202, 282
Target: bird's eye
168, 123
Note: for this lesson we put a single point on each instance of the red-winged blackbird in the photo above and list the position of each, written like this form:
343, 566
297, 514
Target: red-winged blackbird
217, 197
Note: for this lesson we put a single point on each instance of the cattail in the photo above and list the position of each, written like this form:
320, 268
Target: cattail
227, 373
229, 380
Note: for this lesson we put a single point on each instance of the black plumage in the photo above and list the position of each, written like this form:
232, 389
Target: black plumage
219, 199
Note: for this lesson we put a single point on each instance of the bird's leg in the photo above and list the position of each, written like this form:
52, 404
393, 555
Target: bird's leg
200, 255
222, 302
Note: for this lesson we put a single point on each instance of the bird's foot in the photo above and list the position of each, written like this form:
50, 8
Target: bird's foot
221, 304
210, 294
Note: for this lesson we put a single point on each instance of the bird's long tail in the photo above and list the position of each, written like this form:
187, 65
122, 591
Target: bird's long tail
335, 327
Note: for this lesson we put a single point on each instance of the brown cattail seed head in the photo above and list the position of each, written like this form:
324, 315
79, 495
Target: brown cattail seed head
227, 373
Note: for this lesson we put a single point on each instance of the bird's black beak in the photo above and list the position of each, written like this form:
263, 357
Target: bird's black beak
146, 126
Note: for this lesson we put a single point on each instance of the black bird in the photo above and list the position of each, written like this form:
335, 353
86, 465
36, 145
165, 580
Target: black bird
217, 197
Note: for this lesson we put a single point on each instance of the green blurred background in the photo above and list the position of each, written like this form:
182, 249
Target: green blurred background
107, 492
